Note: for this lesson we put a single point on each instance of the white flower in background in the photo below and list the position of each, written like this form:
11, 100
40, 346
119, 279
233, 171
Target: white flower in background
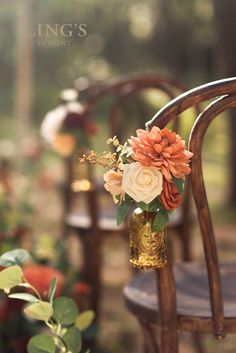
142, 183
69, 95
52, 123
75, 107
53, 120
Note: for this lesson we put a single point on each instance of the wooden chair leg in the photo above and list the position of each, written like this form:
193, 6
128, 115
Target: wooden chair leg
198, 345
169, 340
167, 308
91, 272
150, 343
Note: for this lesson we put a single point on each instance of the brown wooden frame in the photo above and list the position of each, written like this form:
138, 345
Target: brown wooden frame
169, 320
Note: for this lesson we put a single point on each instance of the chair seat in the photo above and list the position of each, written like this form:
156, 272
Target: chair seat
107, 219
193, 303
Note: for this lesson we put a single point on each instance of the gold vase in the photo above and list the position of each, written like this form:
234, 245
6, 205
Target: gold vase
148, 249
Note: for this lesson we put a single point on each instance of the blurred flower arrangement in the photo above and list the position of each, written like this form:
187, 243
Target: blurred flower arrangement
148, 171
40, 286
67, 127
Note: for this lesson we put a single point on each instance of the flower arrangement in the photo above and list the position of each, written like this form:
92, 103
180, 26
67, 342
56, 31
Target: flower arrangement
68, 126
147, 171
59, 313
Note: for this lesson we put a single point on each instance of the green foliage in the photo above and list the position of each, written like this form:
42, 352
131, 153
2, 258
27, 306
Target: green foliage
61, 314
160, 221
65, 311
13, 257
41, 344
153, 206
179, 183
12, 211
122, 212
52, 290
41, 310
144, 206
84, 320
73, 341
10, 277
24, 296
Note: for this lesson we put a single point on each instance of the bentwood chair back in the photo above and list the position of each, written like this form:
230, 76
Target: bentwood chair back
194, 297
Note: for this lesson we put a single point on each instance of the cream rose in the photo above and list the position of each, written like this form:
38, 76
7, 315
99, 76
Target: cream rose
142, 183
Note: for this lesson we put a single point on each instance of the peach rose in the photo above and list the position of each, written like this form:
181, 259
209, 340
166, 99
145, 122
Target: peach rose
142, 183
113, 181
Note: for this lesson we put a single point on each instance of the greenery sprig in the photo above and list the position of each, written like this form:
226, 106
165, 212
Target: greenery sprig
60, 314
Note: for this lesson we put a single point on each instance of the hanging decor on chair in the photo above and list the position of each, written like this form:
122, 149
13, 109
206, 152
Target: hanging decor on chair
68, 128
146, 175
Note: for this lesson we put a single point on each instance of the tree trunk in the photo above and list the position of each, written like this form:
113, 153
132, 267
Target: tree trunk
23, 71
225, 12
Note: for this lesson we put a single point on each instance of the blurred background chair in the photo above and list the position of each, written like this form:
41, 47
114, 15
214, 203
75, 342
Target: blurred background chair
193, 297
98, 215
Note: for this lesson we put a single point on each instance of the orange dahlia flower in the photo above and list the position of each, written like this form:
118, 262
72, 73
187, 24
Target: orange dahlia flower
163, 149
170, 196
40, 277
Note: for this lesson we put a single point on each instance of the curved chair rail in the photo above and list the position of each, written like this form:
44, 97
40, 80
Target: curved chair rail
191, 98
226, 89
132, 80
195, 144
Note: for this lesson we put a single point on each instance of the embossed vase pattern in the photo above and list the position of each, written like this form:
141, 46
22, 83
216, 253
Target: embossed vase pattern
148, 249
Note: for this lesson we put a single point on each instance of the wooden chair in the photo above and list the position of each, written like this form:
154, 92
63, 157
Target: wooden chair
97, 221
193, 297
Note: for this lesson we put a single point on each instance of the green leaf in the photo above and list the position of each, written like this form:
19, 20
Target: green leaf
14, 257
155, 205
84, 320
144, 206
10, 277
24, 296
160, 221
40, 311
122, 212
52, 290
73, 340
179, 183
65, 310
41, 344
